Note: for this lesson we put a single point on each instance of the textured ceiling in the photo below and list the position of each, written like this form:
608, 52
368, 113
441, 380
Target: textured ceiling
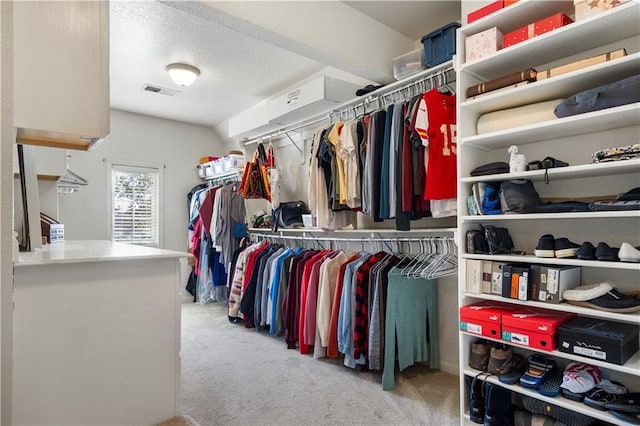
243, 63
237, 70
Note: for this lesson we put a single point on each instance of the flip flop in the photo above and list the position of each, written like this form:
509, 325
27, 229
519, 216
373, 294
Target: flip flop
551, 384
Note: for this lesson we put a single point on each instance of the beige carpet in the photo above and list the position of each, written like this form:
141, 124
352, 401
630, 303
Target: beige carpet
237, 376
180, 421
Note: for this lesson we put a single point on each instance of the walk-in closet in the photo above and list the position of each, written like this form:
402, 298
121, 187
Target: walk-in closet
320, 212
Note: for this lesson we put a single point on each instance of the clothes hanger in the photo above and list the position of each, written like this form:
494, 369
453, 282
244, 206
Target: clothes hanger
427, 261
447, 263
407, 268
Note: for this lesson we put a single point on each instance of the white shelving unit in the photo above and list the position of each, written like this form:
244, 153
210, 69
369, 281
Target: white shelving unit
573, 139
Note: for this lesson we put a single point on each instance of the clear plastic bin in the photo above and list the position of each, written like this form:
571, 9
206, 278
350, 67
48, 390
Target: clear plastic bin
408, 64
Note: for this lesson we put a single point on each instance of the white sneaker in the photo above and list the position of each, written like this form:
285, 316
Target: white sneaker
628, 253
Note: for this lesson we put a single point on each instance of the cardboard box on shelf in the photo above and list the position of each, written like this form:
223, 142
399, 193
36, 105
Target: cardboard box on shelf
598, 338
474, 276
484, 318
554, 280
583, 63
535, 328
587, 8
537, 28
482, 44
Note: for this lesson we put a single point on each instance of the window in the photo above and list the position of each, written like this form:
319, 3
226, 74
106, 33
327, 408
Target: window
135, 204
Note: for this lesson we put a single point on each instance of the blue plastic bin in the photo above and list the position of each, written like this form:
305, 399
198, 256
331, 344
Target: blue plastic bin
440, 45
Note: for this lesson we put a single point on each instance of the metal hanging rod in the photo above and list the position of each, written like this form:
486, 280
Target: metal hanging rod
354, 240
431, 74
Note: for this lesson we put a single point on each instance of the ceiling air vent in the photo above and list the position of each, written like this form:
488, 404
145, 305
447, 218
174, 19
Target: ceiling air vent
160, 90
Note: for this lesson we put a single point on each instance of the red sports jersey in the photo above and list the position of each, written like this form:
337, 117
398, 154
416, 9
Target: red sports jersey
441, 175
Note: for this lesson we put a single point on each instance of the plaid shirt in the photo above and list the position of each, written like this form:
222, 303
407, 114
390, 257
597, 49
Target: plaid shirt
361, 321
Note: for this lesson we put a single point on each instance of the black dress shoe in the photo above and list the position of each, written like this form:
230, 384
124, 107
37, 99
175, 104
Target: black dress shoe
586, 251
606, 253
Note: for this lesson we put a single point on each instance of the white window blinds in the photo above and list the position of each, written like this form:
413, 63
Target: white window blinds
135, 204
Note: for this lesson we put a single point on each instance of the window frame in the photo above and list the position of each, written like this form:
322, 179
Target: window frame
133, 167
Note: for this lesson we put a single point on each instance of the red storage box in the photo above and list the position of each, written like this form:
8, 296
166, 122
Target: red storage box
535, 328
537, 28
484, 318
484, 11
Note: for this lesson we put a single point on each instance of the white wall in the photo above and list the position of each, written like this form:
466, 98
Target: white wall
146, 140
7, 138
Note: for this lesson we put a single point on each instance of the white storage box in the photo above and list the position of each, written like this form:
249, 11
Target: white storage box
205, 170
218, 166
231, 162
408, 64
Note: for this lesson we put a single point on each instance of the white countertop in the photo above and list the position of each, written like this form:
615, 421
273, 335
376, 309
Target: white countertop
92, 251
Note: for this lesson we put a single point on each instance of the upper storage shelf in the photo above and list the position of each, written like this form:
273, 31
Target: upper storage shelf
615, 24
580, 124
562, 86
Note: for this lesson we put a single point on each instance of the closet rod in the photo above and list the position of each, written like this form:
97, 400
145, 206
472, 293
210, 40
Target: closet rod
370, 97
354, 240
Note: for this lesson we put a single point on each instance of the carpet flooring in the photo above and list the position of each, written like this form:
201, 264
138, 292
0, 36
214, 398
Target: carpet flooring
236, 376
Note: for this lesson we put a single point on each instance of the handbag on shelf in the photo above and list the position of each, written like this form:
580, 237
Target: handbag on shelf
255, 180
289, 215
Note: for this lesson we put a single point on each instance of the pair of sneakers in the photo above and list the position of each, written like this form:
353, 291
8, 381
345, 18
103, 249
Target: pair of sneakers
549, 246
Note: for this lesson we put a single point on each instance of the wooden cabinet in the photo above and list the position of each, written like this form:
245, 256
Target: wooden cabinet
573, 139
61, 71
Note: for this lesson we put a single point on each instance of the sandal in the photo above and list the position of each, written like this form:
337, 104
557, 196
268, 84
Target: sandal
538, 368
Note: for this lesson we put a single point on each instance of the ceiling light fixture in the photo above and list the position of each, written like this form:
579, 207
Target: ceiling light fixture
183, 74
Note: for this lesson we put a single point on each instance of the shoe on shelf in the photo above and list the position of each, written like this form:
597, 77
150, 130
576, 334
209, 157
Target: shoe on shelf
500, 359
628, 253
551, 384
538, 368
606, 253
565, 248
517, 370
613, 301
546, 246
479, 355
605, 392
602, 297
629, 403
586, 251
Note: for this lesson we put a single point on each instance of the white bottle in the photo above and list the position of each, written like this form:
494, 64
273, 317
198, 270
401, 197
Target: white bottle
517, 162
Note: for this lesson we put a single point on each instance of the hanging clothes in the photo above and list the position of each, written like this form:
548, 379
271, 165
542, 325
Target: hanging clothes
332, 303
411, 308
